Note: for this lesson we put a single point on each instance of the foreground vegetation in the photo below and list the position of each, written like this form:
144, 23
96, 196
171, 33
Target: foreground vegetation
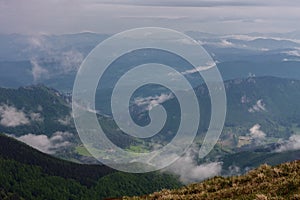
29, 174
266, 182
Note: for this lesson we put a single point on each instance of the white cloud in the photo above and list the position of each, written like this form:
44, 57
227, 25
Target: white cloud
65, 121
38, 42
152, 101
66, 61
82, 107
38, 71
70, 61
234, 170
36, 117
189, 171
11, 117
291, 60
226, 43
244, 99
47, 144
242, 37
256, 133
258, 107
292, 53
195, 70
199, 68
293, 143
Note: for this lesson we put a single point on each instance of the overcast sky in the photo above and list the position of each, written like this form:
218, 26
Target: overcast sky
112, 16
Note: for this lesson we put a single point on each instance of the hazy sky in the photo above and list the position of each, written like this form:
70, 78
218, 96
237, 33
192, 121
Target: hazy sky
111, 16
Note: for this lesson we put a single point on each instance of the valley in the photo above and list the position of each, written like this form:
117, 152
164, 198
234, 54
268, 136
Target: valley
42, 155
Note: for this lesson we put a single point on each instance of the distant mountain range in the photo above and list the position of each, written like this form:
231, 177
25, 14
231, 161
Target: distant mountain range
54, 59
262, 126
42, 117
262, 122
261, 75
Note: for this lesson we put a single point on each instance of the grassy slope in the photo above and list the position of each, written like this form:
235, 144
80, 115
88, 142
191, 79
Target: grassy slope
265, 182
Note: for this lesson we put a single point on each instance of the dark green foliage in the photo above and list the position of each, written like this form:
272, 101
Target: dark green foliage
30, 174
116, 184
31, 183
85, 174
281, 100
4, 195
54, 106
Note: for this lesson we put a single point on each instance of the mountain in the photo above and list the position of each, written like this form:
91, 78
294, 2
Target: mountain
30, 174
48, 59
264, 43
33, 109
265, 182
54, 60
41, 117
257, 121
262, 100
262, 126
10, 149
246, 160
251, 102
18, 47
270, 102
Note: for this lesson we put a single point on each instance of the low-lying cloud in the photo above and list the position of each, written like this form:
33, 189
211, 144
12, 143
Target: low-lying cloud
37, 117
152, 101
66, 121
65, 61
258, 107
292, 144
38, 71
295, 53
257, 135
234, 170
189, 171
70, 61
12, 117
49, 145
199, 68
226, 43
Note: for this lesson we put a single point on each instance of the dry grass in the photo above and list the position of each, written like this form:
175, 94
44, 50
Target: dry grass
264, 183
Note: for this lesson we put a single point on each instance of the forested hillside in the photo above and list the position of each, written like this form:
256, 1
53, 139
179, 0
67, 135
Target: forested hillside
30, 174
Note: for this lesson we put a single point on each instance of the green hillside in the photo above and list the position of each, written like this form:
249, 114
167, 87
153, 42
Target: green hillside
30, 174
273, 103
49, 104
45, 111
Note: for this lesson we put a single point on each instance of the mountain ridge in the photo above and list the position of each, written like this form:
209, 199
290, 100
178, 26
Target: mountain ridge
30, 174
265, 182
